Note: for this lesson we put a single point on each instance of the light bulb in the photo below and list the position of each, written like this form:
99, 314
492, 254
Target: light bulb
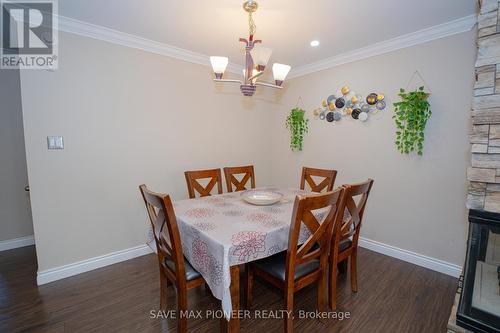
254, 72
314, 43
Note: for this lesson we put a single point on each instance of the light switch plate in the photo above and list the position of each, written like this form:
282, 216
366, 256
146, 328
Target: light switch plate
55, 142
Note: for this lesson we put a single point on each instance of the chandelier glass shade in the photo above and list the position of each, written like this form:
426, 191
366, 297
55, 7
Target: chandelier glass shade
256, 59
260, 55
219, 65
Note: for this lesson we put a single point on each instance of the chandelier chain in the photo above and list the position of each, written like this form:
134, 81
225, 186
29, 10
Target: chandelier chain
251, 24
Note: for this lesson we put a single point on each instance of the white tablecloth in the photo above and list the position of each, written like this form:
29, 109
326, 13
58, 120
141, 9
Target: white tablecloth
223, 230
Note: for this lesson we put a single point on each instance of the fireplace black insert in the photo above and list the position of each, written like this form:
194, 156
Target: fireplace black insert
479, 307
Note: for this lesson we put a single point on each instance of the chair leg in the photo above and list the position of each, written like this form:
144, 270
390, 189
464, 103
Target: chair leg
249, 287
163, 291
354, 273
321, 292
289, 310
181, 310
333, 286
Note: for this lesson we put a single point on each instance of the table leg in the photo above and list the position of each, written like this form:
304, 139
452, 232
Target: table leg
233, 325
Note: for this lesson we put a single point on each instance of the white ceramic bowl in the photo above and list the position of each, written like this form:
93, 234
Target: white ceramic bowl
261, 197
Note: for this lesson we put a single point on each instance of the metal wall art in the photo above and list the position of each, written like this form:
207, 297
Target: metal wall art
346, 103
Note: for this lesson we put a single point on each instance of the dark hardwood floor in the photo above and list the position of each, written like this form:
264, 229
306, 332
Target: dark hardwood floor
393, 296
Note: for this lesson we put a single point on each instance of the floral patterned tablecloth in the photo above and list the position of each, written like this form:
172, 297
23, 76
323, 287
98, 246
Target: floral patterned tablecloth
223, 230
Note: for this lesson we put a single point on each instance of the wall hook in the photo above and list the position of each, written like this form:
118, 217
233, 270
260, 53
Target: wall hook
417, 74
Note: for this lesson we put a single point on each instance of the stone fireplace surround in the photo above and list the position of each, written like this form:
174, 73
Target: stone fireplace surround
484, 173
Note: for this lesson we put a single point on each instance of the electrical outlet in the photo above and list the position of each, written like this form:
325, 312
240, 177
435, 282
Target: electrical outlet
55, 142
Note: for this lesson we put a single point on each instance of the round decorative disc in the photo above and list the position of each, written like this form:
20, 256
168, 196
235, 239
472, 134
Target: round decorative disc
330, 117
331, 106
331, 99
380, 97
354, 99
371, 99
340, 103
322, 115
337, 116
316, 112
345, 90
355, 113
324, 104
380, 105
365, 108
363, 116
348, 111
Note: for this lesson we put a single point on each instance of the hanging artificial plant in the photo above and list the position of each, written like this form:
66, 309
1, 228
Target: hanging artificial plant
411, 115
298, 126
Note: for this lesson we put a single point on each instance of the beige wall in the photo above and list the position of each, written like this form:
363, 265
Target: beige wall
15, 215
128, 117
417, 203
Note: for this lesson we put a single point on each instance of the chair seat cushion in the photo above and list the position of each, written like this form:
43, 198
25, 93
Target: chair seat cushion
191, 273
276, 266
344, 244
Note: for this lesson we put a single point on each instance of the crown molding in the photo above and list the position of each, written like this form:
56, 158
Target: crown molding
450, 28
90, 30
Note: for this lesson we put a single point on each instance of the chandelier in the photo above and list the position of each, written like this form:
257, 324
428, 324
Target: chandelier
257, 57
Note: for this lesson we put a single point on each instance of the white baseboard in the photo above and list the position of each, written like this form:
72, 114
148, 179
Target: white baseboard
83, 266
412, 257
16, 242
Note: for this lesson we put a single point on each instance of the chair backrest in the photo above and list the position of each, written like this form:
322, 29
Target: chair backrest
327, 182
166, 232
248, 175
193, 185
352, 212
325, 205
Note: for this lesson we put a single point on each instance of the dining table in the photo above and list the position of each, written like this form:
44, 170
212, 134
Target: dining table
221, 232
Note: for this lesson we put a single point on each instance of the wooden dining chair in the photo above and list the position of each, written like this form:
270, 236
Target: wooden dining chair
192, 177
326, 183
346, 235
174, 268
248, 175
302, 265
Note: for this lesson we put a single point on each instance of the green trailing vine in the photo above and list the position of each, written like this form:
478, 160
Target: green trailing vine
298, 126
411, 115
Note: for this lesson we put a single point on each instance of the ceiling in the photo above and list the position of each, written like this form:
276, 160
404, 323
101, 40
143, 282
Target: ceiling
213, 27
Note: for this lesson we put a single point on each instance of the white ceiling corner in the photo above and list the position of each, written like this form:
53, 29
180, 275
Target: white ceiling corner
418, 37
450, 28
